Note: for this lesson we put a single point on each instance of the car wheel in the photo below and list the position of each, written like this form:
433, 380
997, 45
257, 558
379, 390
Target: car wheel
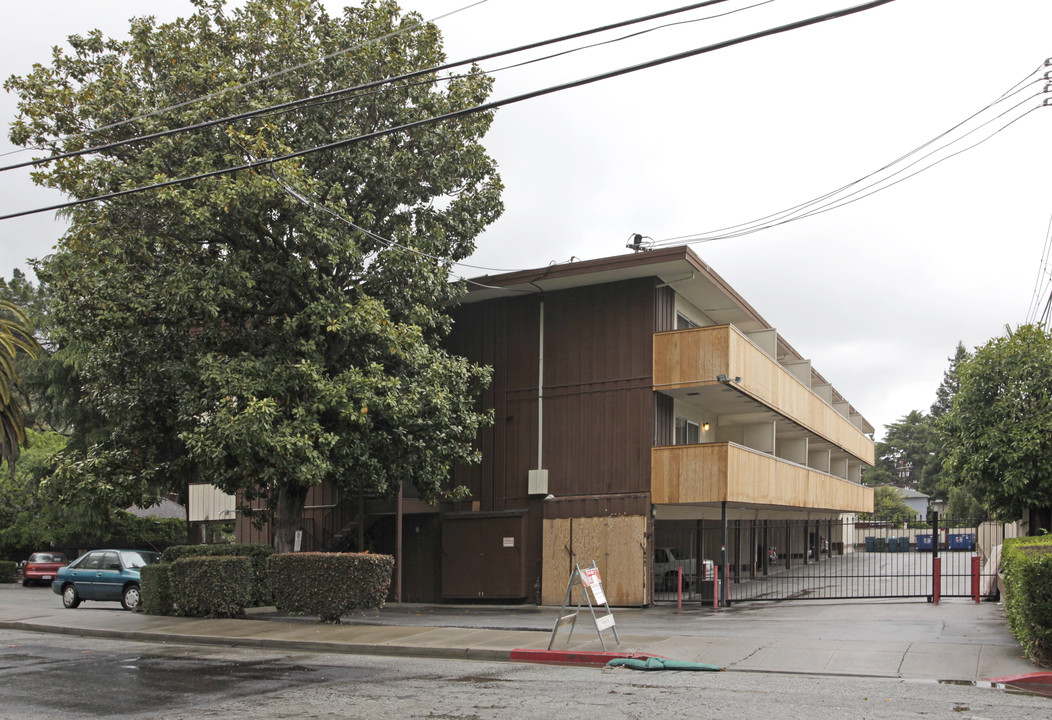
70, 598
131, 598
25, 583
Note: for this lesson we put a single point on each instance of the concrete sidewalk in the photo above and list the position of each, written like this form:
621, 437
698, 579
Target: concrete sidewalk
955, 641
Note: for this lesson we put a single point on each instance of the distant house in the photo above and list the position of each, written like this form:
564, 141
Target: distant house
635, 398
917, 501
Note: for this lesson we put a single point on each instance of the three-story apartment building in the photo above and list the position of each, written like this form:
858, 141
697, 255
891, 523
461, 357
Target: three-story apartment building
634, 397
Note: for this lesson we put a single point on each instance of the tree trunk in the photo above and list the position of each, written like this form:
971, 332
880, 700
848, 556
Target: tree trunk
288, 516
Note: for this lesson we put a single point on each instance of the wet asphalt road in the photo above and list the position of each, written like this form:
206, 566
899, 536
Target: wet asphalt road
71, 678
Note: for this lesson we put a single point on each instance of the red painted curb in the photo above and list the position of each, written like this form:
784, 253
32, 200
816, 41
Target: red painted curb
571, 657
1038, 678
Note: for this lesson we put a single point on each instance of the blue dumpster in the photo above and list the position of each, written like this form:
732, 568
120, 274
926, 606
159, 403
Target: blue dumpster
893, 544
964, 541
870, 543
924, 543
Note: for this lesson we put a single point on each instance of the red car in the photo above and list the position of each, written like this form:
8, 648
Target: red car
42, 567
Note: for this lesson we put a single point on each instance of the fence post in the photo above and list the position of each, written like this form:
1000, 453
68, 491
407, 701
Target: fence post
976, 565
936, 580
679, 587
715, 587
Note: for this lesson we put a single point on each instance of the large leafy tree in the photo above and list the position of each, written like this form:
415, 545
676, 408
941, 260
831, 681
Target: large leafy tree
998, 431
268, 330
934, 482
904, 455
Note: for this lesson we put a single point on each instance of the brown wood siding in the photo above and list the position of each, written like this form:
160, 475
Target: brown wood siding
503, 335
597, 506
664, 419
598, 404
664, 309
598, 394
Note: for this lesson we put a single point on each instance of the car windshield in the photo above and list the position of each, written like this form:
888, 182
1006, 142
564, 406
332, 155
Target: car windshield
133, 559
45, 558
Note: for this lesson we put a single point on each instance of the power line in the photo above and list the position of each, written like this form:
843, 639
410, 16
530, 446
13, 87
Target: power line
820, 205
255, 81
343, 93
1040, 288
468, 111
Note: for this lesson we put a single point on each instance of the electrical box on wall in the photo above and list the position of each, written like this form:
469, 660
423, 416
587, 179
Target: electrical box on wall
538, 482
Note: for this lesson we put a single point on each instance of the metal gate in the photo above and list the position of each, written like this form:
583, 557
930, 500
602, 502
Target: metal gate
827, 559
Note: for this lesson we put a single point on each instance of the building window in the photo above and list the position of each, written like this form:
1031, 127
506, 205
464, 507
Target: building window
688, 432
684, 323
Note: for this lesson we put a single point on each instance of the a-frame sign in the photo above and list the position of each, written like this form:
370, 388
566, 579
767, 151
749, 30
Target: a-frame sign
591, 587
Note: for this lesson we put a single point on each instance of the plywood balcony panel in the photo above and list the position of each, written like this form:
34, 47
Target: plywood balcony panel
725, 472
685, 359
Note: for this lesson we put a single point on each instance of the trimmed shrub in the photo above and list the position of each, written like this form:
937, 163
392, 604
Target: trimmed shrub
210, 586
329, 585
1027, 566
156, 589
257, 556
8, 571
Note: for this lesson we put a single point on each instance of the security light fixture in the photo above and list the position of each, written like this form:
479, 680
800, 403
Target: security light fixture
721, 378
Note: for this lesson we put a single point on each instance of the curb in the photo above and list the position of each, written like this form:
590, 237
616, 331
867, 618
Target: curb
572, 657
1036, 678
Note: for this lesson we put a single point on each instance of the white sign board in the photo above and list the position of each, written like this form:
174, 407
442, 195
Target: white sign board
595, 584
298, 542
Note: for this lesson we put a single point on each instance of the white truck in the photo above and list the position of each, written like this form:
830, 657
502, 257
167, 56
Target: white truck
668, 560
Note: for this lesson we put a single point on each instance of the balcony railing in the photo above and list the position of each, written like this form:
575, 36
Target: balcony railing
694, 358
718, 472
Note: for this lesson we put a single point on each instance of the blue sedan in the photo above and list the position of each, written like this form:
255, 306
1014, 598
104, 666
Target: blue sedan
103, 575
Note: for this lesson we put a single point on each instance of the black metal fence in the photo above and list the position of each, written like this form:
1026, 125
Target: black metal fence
793, 559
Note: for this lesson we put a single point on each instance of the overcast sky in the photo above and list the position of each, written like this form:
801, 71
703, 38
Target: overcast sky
876, 293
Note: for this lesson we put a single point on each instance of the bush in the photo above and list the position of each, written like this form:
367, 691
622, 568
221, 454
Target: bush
210, 586
257, 556
1027, 566
156, 589
329, 585
8, 571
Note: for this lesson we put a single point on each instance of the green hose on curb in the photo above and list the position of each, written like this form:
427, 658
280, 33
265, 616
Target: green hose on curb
656, 663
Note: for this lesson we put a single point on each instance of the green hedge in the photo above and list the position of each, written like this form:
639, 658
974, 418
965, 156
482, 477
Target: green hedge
1027, 567
156, 589
257, 556
8, 571
210, 586
329, 585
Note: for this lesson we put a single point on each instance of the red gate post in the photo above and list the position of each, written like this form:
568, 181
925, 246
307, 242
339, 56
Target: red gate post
936, 579
715, 587
975, 577
679, 588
